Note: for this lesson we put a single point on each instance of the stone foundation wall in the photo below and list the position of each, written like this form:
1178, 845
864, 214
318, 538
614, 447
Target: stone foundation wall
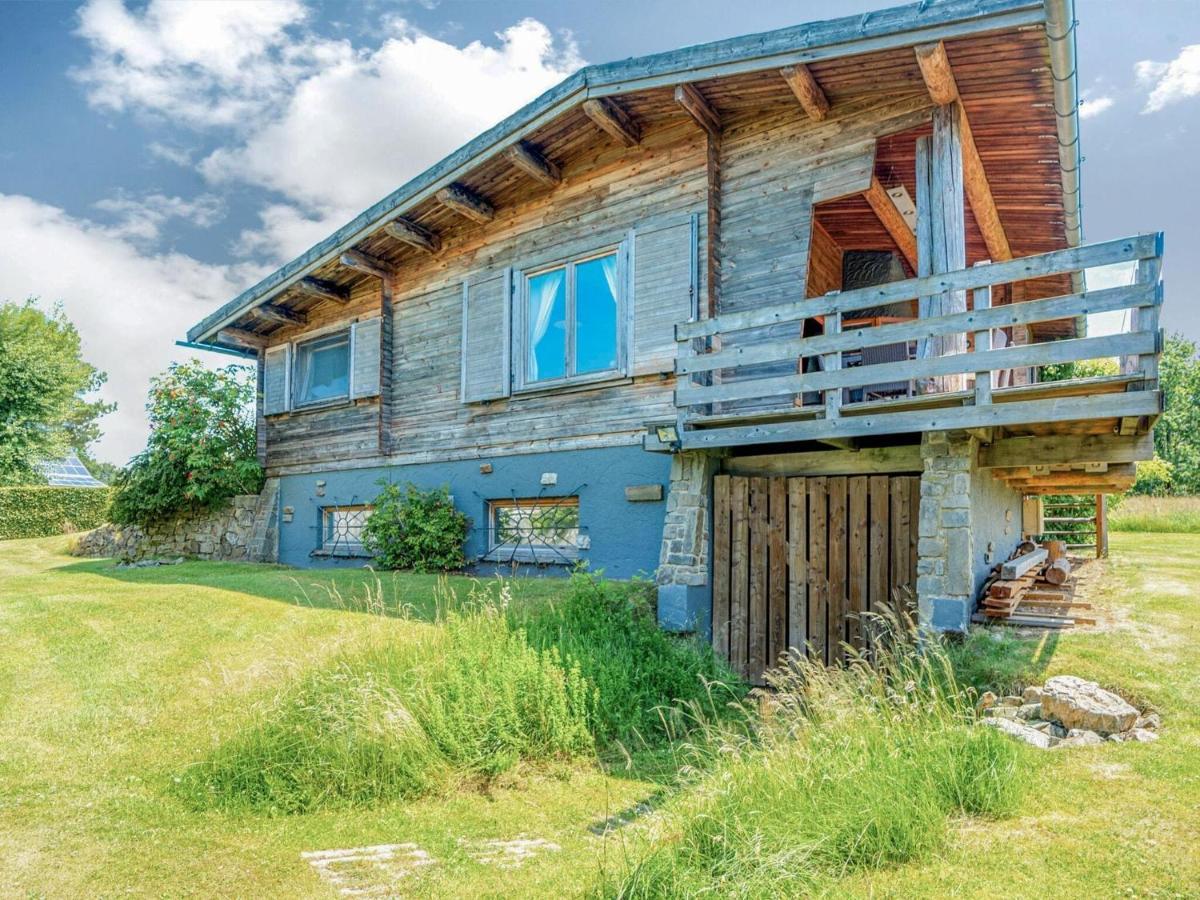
244, 529
684, 588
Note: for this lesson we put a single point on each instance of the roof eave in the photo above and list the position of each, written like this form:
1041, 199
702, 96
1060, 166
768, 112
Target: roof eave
885, 29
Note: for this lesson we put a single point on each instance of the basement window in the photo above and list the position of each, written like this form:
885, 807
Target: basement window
323, 369
341, 530
539, 530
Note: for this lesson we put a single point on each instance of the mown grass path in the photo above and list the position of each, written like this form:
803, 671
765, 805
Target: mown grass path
111, 682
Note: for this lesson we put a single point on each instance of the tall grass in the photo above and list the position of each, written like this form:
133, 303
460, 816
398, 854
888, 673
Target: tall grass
847, 768
399, 719
642, 675
1179, 515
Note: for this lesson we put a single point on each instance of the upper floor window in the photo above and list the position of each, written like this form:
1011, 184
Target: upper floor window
323, 369
571, 325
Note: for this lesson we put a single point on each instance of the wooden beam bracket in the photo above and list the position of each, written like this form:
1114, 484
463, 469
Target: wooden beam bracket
367, 264
466, 203
530, 160
414, 235
807, 91
701, 111
613, 120
323, 290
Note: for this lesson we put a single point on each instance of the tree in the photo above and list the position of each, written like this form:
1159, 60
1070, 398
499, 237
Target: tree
201, 450
1177, 433
44, 381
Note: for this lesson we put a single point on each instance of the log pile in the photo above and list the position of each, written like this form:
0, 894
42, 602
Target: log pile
1034, 587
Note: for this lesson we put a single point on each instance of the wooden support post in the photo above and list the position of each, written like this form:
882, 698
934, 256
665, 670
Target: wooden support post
940, 197
831, 362
1145, 318
983, 343
260, 417
1101, 525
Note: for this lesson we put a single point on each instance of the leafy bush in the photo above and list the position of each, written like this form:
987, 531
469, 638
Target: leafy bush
1154, 477
416, 529
42, 510
402, 718
609, 631
202, 447
852, 768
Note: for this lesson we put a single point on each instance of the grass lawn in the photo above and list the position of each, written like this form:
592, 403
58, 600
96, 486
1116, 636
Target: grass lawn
113, 681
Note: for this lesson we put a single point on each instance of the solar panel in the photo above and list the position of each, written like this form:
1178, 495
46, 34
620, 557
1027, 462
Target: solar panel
69, 472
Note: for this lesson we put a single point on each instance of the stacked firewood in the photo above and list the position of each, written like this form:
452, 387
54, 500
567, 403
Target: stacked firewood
1034, 587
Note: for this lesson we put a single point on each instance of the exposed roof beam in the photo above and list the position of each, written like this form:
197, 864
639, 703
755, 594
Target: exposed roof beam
239, 337
807, 91
323, 290
693, 102
943, 90
530, 160
891, 219
614, 120
413, 234
366, 263
466, 203
271, 312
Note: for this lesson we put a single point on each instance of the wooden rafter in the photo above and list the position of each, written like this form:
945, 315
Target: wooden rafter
612, 119
943, 90
530, 160
323, 290
807, 91
279, 315
239, 337
892, 220
466, 203
366, 263
701, 111
414, 235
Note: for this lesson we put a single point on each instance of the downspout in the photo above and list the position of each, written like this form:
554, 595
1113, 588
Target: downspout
1060, 37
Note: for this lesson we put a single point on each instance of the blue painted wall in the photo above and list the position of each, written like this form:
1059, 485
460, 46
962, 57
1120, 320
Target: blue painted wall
625, 537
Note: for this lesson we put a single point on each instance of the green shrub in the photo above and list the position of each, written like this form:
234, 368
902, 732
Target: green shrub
608, 629
1154, 478
416, 529
400, 719
202, 445
43, 510
853, 768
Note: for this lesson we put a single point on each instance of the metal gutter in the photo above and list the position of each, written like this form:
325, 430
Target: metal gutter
889, 28
217, 348
1060, 38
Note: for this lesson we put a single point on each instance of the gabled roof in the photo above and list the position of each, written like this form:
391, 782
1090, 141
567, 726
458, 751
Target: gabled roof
897, 27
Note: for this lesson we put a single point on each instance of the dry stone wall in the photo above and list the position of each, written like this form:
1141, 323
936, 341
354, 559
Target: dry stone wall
244, 529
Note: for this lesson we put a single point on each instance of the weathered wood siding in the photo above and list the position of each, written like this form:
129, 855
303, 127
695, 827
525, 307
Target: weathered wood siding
773, 165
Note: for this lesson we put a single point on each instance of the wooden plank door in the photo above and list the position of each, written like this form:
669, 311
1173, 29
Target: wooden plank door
797, 560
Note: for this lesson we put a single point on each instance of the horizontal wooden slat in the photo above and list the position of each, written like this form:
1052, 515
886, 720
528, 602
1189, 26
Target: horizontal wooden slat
1071, 260
1006, 358
1029, 312
1066, 409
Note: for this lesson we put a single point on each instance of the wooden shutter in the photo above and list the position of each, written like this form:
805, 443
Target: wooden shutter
665, 289
277, 380
486, 327
365, 338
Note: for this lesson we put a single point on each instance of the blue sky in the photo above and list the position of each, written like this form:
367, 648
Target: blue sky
156, 158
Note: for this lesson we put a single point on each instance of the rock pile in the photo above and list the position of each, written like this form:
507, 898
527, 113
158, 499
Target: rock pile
1067, 711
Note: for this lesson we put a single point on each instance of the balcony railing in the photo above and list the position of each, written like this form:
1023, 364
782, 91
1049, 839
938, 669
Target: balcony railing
730, 391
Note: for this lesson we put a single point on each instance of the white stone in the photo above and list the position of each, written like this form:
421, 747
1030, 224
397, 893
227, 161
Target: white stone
1023, 732
1077, 703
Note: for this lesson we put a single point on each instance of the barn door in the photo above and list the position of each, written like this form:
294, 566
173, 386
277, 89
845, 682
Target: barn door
794, 559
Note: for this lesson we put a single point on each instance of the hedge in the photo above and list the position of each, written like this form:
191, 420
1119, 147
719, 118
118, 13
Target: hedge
41, 510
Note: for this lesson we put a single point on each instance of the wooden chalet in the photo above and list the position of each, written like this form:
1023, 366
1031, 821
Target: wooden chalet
767, 317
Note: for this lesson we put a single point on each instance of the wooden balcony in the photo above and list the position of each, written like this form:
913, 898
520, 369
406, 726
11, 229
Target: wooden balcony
731, 391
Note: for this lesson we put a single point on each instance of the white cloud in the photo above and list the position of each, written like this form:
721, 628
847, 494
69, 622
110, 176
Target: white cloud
129, 306
1170, 82
1094, 106
1100, 278
362, 126
221, 62
141, 218
180, 156
286, 232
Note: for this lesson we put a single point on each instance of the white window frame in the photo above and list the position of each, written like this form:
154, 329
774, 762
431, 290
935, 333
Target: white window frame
519, 367
294, 369
563, 554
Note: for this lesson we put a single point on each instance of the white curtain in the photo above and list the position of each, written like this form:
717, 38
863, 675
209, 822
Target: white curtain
609, 265
542, 301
